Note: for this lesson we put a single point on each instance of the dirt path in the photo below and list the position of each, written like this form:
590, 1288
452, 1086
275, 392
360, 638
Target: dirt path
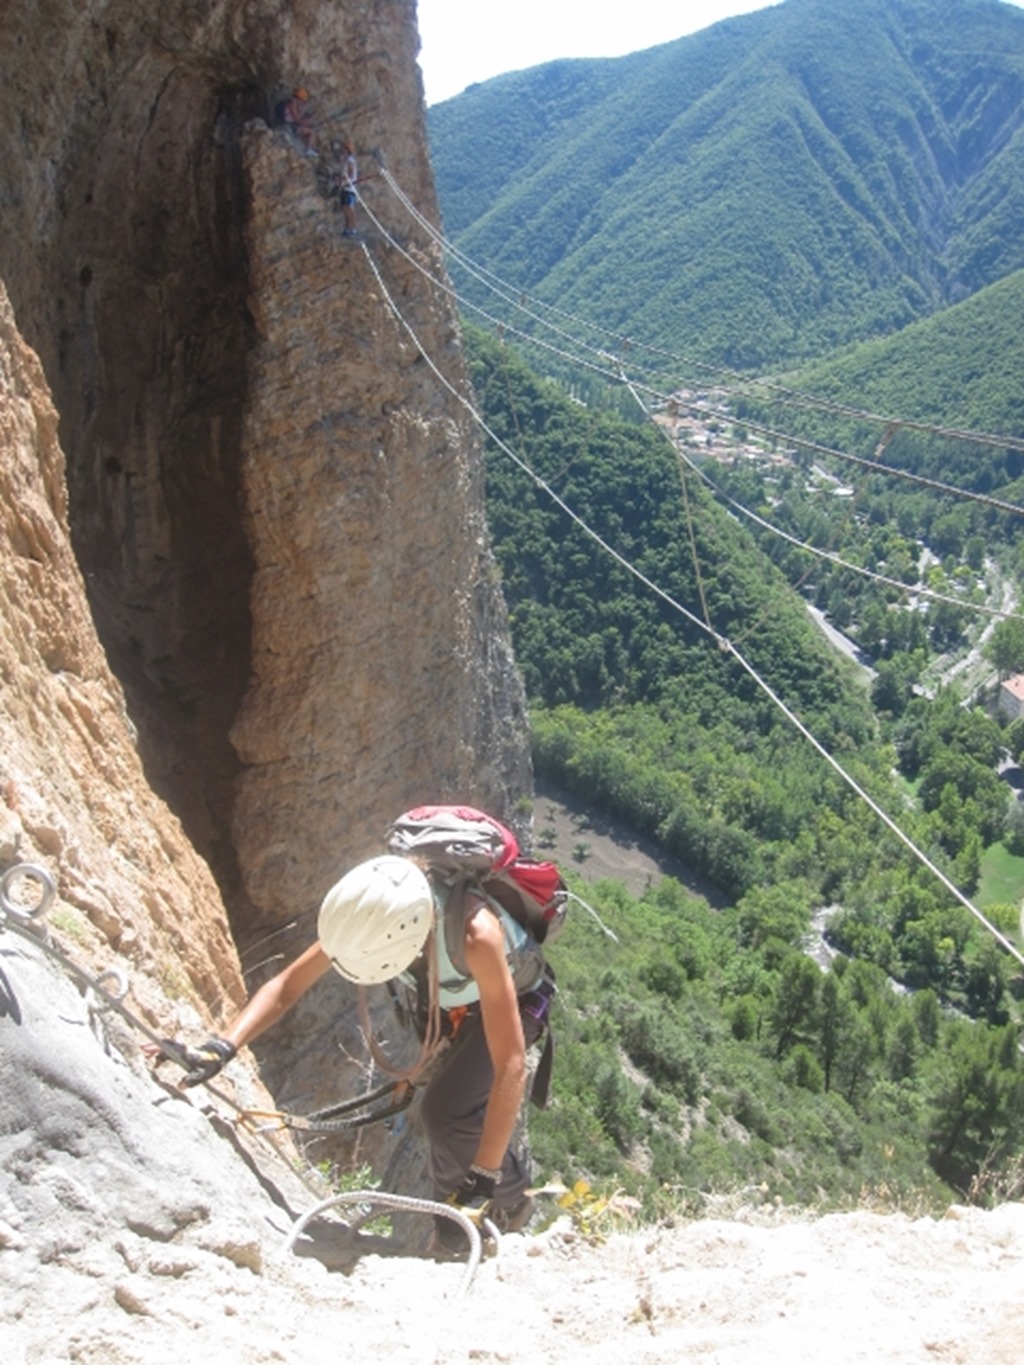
597, 847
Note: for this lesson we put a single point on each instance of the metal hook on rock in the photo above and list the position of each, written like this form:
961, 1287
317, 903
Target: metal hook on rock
101, 1000
29, 872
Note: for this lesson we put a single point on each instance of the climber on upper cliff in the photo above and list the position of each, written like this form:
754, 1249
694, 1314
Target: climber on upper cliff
490, 991
338, 176
295, 116
347, 193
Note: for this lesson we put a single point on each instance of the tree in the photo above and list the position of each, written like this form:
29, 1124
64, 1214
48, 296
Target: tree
617, 1103
893, 685
948, 536
804, 1069
904, 1048
974, 552
781, 912
986, 982
948, 623
1015, 739
927, 1016
952, 779
1005, 647
796, 1001
834, 1017
977, 1105
745, 1018
873, 627
855, 1060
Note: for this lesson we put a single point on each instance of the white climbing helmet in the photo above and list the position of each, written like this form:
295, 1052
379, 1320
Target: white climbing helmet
375, 921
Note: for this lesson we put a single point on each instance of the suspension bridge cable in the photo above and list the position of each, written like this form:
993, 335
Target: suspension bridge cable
606, 370
815, 402
518, 298
705, 411
619, 376
886, 819
526, 468
721, 641
804, 443
905, 589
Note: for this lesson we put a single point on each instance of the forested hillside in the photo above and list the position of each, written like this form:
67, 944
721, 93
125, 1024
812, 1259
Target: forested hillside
707, 1049
768, 189
636, 705
956, 431
960, 368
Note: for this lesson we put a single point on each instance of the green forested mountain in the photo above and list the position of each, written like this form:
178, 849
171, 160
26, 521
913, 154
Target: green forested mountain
766, 190
960, 368
636, 707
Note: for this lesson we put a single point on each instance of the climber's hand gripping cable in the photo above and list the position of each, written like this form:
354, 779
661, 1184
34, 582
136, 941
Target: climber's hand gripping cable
203, 1062
476, 1193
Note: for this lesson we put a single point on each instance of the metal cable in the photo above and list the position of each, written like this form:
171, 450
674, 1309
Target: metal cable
408, 1204
721, 641
16, 918
519, 298
99, 1000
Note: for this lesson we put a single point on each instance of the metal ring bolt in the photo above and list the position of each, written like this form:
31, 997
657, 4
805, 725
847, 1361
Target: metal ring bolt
26, 872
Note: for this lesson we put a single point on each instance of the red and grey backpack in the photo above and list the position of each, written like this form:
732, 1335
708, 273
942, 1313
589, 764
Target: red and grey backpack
462, 845
463, 849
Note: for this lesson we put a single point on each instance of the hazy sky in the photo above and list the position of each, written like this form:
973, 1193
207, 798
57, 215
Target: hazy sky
472, 40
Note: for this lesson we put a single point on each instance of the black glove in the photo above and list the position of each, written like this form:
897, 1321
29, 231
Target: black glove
476, 1193
205, 1060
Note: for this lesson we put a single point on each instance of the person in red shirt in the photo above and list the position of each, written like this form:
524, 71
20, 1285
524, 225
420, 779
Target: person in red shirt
297, 119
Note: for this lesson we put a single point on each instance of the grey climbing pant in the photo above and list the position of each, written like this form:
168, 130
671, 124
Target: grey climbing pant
452, 1111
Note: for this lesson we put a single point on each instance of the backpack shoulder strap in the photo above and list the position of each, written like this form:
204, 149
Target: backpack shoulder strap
455, 916
464, 898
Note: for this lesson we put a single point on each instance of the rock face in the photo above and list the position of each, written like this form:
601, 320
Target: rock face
380, 673
74, 797
272, 508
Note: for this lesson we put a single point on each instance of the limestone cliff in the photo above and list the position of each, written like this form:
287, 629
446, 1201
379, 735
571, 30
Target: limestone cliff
275, 506
74, 797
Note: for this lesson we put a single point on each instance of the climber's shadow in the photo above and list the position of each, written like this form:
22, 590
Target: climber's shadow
340, 1245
